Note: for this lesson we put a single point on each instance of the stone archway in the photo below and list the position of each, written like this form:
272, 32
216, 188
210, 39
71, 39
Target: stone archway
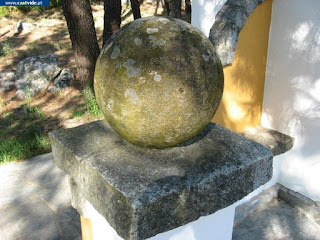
227, 26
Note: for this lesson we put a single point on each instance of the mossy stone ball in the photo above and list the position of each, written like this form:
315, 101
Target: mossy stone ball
158, 82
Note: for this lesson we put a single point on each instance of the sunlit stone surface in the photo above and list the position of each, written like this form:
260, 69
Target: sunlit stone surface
158, 82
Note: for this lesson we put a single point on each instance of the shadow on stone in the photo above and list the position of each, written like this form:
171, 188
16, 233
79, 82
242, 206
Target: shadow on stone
199, 136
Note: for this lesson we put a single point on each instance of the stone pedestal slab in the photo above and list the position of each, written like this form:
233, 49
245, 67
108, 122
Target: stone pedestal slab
142, 192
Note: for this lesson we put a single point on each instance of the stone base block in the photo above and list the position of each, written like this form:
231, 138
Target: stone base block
142, 192
216, 226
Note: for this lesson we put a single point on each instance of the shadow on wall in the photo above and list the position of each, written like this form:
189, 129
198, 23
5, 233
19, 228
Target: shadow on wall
292, 99
241, 104
295, 71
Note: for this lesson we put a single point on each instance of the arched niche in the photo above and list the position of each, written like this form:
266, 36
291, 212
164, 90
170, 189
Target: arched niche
228, 23
242, 100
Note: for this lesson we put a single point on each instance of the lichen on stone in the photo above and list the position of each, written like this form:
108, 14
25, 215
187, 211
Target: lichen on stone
157, 78
165, 85
115, 52
131, 70
152, 30
131, 95
137, 41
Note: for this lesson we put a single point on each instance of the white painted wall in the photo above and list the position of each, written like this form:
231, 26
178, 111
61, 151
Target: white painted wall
292, 91
204, 12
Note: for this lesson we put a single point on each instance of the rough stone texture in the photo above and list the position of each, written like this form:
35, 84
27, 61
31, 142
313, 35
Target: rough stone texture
64, 78
258, 202
300, 202
62, 81
35, 73
6, 81
35, 201
275, 141
277, 221
277, 213
158, 81
142, 192
7, 76
228, 23
25, 26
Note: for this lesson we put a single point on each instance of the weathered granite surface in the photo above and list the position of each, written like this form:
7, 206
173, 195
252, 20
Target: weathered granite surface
277, 213
275, 141
142, 192
256, 203
36, 74
278, 220
158, 81
301, 203
228, 23
6, 81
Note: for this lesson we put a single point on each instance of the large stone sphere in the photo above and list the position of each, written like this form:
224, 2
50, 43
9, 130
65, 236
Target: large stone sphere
158, 82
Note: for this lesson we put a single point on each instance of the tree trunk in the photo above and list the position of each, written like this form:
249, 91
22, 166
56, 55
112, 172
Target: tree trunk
135, 5
83, 37
167, 7
188, 6
112, 18
175, 8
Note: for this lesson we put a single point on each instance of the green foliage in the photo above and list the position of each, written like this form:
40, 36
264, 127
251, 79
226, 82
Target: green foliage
77, 114
7, 48
55, 3
28, 96
33, 112
4, 12
29, 109
11, 150
91, 103
43, 143
22, 148
38, 111
8, 11
21, 134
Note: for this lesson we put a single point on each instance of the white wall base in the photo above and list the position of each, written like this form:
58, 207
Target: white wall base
216, 226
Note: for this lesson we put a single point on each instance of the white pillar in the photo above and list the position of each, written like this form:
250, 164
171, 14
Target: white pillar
292, 91
204, 12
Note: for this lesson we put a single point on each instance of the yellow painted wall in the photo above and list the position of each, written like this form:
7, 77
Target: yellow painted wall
241, 104
86, 228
